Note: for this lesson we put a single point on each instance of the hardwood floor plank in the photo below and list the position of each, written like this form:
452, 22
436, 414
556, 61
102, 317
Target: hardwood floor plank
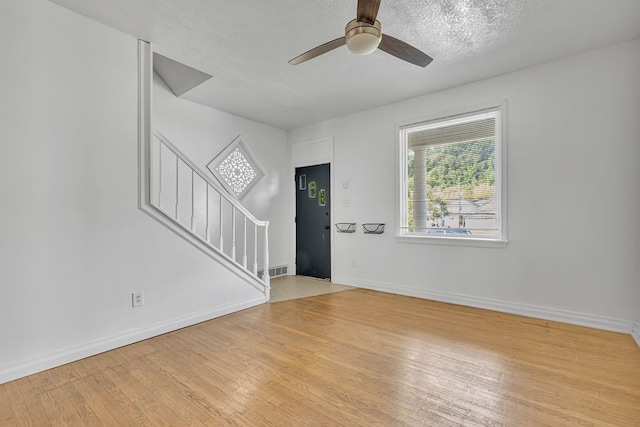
8, 416
356, 357
147, 398
219, 402
59, 408
121, 407
24, 402
107, 411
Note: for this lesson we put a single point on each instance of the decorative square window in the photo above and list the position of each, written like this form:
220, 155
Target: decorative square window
236, 168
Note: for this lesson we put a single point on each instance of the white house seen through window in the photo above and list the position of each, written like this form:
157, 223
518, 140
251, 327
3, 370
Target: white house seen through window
451, 177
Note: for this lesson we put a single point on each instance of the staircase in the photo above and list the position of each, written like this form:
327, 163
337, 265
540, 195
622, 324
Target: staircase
206, 214
175, 192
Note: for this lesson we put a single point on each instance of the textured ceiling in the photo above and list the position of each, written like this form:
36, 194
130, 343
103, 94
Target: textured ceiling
245, 46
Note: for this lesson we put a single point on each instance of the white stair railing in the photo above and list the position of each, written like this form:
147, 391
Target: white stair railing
203, 208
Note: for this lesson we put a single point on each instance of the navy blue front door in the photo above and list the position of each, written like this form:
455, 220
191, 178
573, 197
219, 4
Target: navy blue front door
313, 221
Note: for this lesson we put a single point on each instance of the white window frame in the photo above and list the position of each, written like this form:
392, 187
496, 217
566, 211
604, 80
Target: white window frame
500, 240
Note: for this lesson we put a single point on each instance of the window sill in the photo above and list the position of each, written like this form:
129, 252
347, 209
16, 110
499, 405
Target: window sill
453, 241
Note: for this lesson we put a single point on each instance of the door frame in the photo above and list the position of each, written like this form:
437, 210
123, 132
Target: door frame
310, 153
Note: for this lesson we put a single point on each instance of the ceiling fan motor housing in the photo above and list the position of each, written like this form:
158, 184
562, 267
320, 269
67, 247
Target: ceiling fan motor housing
363, 38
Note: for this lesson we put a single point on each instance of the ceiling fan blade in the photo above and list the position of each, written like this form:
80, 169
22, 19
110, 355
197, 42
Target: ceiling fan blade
317, 51
368, 11
404, 51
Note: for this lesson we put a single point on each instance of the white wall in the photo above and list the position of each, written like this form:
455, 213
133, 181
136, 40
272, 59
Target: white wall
636, 328
573, 150
73, 244
201, 133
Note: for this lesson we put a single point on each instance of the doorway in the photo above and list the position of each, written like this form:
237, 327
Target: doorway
313, 221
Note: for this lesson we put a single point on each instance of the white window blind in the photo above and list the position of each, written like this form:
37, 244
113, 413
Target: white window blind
447, 133
451, 180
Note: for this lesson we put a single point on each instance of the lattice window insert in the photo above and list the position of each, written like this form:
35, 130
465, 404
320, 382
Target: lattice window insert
236, 168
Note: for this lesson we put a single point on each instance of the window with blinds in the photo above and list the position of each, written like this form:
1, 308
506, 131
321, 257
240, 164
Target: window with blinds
450, 177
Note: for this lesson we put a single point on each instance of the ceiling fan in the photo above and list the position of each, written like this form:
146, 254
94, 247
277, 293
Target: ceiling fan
363, 35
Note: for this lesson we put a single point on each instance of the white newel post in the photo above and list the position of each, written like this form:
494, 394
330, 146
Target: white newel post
266, 278
255, 249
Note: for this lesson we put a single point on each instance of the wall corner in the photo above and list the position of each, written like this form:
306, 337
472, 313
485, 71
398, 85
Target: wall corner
635, 332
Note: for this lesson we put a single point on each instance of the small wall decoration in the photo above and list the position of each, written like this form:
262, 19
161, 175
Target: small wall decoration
312, 190
302, 182
373, 228
346, 227
322, 199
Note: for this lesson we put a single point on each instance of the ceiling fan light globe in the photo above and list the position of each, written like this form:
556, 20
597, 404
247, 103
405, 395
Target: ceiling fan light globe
363, 38
363, 43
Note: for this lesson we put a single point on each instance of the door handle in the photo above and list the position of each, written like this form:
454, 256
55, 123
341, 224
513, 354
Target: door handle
326, 227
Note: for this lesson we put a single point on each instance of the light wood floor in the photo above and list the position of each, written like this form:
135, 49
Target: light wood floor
355, 357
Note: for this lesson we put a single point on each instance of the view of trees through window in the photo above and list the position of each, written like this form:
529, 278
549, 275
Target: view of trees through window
461, 185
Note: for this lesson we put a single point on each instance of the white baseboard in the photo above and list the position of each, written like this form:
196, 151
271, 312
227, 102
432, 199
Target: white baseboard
546, 313
43, 362
636, 332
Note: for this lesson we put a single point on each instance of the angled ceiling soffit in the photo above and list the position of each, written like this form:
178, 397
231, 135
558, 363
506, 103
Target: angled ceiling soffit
179, 77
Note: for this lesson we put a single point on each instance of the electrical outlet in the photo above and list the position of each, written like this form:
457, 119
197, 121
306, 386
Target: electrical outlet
137, 299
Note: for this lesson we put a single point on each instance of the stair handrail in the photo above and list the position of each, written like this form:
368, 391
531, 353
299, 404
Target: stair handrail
223, 191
